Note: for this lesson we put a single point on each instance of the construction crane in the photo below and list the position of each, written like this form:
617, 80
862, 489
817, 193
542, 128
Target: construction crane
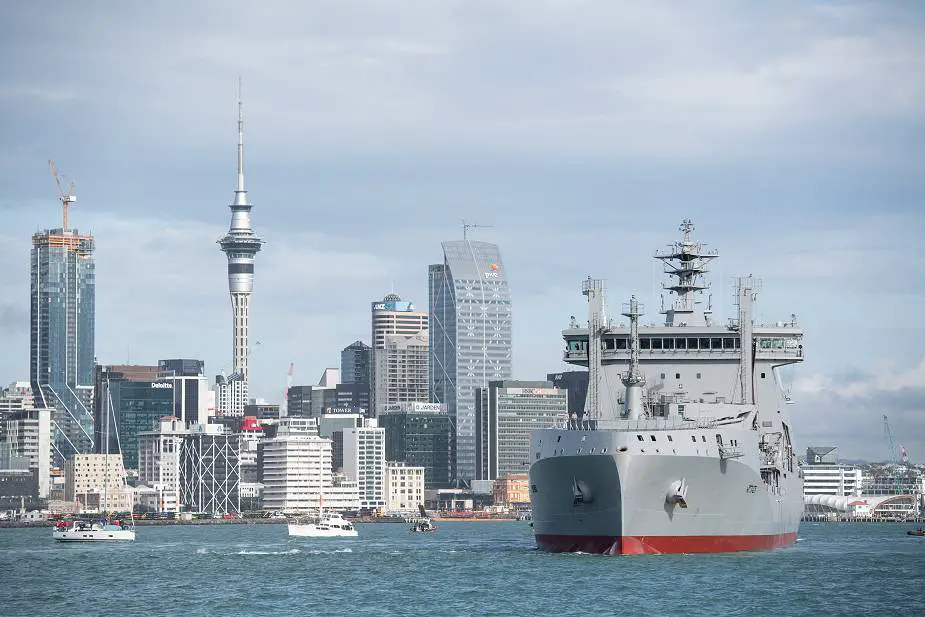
893, 458
467, 226
66, 197
285, 409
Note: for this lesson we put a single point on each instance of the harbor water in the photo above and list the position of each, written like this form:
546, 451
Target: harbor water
465, 568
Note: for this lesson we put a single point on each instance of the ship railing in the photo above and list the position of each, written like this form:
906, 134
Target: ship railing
726, 452
656, 424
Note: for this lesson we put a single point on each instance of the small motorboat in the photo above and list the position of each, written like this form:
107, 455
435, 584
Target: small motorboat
917, 532
423, 524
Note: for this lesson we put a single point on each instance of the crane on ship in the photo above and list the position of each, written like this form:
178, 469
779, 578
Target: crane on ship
66, 197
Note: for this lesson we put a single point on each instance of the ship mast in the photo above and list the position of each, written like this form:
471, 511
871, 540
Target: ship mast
594, 290
687, 261
747, 288
633, 379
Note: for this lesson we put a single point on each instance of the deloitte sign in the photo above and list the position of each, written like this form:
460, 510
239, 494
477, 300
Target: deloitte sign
162, 385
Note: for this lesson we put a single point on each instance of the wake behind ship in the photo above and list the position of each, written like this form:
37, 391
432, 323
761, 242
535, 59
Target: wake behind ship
685, 445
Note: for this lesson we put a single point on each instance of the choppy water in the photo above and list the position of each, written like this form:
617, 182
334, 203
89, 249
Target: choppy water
462, 569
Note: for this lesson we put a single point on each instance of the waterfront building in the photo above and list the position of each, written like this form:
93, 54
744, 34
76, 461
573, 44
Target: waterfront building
137, 400
506, 412
63, 310
364, 463
401, 371
240, 246
469, 336
97, 482
18, 483
822, 475
190, 388
159, 453
28, 435
355, 363
420, 435
15, 397
576, 384
391, 317
295, 470
209, 474
404, 487
511, 490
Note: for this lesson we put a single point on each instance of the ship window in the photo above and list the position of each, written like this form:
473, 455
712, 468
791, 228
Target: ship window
533, 488
698, 375
663, 376
694, 438
603, 450
668, 343
677, 375
728, 343
652, 437
669, 438
704, 343
692, 343
656, 343
644, 343
703, 438
738, 343
716, 343
680, 343
620, 343
762, 375
639, 437
559, 438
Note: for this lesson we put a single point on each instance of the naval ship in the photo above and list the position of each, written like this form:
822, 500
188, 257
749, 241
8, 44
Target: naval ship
685, 445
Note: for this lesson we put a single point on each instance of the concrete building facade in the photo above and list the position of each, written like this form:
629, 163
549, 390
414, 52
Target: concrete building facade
404, 487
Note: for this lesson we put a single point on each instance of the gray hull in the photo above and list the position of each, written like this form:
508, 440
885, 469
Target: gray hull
619, 503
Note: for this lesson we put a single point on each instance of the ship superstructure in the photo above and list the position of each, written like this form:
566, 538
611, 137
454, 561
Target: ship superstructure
685, 445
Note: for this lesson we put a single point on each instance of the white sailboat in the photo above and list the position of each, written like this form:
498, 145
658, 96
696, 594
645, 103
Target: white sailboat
327, 525
107, 529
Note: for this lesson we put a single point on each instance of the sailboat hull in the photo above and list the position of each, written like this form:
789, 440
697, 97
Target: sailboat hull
94, 535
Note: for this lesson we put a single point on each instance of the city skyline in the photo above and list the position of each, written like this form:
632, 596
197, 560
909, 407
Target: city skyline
790, 135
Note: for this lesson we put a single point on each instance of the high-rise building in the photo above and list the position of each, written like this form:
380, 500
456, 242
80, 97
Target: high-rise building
329, 395
420, 434
354, 363
404, 487
209, 471
159, 462
135, 401
28, 434
505, 414
470, 336
391, 317
240, 245
16, 397
62, 338
190, 388
401, 370
364, 463
97, 481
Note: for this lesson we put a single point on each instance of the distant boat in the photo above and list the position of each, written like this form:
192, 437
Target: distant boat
107, 529
917, 532
423, 524
327, 525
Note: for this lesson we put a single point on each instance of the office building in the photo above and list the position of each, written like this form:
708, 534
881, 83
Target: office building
506, 413
209, 474
576, 384
469, 335
404, 487
15, 397
62, 334
329, 395
240, 246
28, 435
190, 388
364, 463
135, 400
512, 490
420, 435
401, 370
295, 471
159, 463
354, 363
391, 317
97, 482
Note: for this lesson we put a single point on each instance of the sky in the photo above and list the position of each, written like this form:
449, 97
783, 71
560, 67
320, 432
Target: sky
581, 132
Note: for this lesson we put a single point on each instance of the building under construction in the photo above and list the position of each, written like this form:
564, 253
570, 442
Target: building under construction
209, 471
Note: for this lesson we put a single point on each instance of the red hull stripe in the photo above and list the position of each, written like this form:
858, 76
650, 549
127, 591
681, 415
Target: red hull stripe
642, 545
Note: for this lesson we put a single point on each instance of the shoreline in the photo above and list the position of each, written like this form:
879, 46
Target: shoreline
250, 521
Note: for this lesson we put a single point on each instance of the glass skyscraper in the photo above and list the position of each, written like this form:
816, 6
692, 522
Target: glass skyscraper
62, 337
469, 336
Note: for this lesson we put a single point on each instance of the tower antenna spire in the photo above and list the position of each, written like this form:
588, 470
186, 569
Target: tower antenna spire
240, 193
467, 226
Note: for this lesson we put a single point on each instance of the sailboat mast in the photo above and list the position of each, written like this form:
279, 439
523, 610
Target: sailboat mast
106, 455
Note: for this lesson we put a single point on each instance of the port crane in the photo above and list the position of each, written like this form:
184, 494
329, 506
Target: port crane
66, 197
893, 458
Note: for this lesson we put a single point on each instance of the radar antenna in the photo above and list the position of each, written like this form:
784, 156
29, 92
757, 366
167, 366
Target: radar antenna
66, 197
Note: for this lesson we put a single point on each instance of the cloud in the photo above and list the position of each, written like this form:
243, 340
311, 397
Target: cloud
847, 411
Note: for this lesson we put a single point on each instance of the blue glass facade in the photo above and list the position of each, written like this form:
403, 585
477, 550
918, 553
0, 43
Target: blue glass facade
62, 335
469, 336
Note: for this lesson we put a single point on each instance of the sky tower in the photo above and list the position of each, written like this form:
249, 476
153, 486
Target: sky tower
240, 245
